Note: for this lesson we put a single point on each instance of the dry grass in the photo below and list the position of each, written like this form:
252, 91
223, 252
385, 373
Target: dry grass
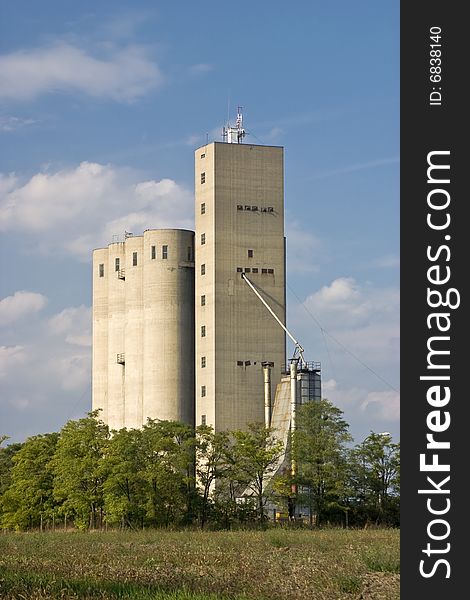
262, 565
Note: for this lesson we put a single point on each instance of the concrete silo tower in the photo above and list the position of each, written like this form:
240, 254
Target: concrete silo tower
143, 328
239, 229
168, 320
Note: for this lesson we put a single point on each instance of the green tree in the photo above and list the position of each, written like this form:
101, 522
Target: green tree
255, 456
78, 470
211, 464
376, 476
319, 447
28, 501
169, 471
6, 464
125, 488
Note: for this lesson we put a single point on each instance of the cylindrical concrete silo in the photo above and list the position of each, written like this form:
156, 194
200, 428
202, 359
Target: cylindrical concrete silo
100, 332
116, 318
133, 333
168, 299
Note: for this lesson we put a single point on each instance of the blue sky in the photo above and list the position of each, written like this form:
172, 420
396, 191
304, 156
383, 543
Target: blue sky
101, 107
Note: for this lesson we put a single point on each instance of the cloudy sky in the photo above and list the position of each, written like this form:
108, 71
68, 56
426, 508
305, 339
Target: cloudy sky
101, 107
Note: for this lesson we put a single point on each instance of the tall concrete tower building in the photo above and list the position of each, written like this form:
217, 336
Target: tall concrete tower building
239, 229
143, 329
178, 334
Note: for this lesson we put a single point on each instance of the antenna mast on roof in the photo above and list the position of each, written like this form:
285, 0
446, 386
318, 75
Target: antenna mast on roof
235, 135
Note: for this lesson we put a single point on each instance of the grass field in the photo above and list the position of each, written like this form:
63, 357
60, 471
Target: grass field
260, 565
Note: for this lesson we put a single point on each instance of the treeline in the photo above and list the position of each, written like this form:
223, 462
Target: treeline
169, 474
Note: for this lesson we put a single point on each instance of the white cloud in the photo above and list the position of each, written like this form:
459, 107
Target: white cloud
8, 182
345, 304
364, 410
48, 371
122, 74
11, 357
386, 404
73, 372
19, 305
82, 208
358, 349
74, 324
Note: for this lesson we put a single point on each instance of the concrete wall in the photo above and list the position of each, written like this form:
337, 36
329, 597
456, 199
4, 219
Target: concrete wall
100, 333
116, 321
238, 326
133, 335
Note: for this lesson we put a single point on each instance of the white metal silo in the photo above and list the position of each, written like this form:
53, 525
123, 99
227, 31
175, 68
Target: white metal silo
168, 333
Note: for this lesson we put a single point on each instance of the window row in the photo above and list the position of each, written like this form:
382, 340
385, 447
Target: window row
153, 256
266, 209
250, 207
255, 270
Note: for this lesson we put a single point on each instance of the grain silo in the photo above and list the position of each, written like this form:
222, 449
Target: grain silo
143, 328
168, 335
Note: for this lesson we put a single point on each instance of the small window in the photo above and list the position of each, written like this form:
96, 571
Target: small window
250, 253
203, 300
239, 270
153, 252
117, 263
203, 331
203, 269
270, 209
254, 208
189, 253
247, 363
254, 270
203, 155
239, 363
247, 207
203, 420
263, 210
101, 269
203, 239
164, 252
203, 362
203, 390
264, 270
239, 206
134, 259
203, 178
203, 208
248, 270
271, 271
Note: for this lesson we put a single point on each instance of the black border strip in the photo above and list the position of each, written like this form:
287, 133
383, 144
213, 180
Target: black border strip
433, 124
